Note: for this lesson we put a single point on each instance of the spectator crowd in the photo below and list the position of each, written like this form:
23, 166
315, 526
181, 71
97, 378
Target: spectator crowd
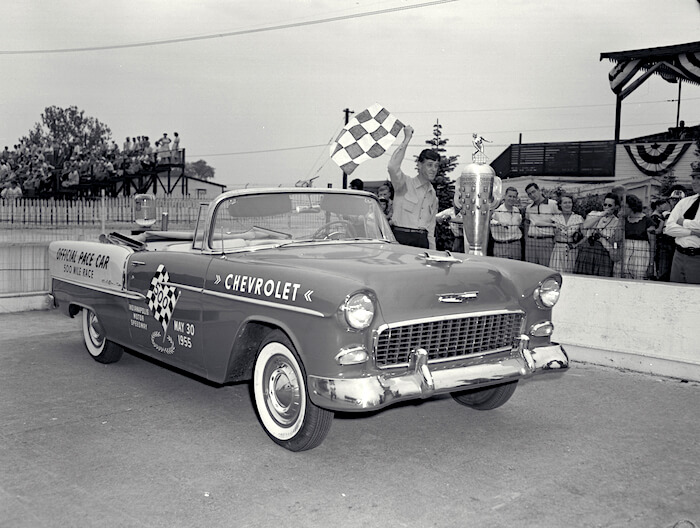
47, 168
621, 238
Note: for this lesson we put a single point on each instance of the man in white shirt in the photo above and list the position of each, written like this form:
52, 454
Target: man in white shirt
415, 201
539, 226
684, 225
506, 230
12, 192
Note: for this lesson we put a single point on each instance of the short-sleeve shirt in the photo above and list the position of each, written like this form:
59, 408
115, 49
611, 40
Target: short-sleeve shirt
509, 224
415, 204
638, 230
541, 212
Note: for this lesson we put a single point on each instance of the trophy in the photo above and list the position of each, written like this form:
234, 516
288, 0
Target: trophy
477, 193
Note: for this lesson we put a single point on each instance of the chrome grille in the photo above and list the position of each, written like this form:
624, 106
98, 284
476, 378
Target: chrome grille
449, 338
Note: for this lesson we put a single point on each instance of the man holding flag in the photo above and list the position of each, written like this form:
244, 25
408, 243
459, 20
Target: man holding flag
415, 201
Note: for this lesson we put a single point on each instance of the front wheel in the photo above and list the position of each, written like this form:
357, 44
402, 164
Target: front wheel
279, 389
100, 349
487, 398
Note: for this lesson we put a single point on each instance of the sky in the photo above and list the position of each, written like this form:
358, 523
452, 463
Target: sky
258, 89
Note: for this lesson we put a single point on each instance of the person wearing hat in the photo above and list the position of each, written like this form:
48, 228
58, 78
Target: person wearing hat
677, 193
684, 225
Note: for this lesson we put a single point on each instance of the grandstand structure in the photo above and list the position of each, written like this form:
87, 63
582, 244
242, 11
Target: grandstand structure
165, 175
638, 164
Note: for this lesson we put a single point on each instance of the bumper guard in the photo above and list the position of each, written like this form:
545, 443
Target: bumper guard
419, 381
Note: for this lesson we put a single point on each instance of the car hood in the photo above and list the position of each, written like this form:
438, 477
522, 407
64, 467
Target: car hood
406, 280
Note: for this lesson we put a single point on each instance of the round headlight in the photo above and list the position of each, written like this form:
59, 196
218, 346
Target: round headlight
359, 311
547, 294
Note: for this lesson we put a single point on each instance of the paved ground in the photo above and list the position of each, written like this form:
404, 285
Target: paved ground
136, 444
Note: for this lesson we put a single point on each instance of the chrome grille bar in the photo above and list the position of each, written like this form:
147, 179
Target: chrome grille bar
447, 338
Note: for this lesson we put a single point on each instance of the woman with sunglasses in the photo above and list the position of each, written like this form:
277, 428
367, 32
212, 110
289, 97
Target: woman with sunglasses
599, 249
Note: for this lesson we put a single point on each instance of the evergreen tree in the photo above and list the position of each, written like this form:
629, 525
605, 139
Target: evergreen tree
444, 187
667, 181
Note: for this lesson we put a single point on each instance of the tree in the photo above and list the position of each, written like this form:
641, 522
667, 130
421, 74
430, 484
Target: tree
447, 163
667, 181
199, 169
444, 187
70, 125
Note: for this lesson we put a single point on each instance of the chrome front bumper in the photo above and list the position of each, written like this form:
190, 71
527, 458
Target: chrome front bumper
419, 381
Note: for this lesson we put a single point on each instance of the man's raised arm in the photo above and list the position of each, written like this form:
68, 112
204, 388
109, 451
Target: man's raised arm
397, 157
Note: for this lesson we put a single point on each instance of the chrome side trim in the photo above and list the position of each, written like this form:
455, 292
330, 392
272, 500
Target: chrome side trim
259, 302
184, 287
119, 293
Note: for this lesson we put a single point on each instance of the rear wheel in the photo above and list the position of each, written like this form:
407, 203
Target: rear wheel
487, 398
97, 345
279, 388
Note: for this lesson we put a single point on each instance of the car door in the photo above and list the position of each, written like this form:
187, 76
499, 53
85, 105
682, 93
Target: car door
166, 323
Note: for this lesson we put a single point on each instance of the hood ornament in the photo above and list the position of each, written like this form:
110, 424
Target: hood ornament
440, 259
457, 297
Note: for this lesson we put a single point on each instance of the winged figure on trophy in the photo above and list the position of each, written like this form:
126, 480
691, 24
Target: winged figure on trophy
478, 156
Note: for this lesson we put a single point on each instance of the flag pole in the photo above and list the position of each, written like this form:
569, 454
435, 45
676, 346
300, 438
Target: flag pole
347, 112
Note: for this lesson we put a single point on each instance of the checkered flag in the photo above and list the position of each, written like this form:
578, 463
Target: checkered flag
162, 297
367, 135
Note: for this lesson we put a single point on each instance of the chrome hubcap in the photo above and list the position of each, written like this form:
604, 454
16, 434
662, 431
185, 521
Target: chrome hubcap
282, 391
93, 328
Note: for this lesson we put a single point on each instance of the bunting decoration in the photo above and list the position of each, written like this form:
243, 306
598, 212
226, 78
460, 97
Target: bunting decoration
684, 66
367, 135
622, 73
656, 159
689, 64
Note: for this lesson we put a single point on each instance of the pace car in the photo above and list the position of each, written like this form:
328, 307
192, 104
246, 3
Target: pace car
306, 294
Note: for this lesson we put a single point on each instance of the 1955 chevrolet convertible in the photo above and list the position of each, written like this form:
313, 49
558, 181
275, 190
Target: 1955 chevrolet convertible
307, 294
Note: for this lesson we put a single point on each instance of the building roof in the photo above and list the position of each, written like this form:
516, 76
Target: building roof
680, 61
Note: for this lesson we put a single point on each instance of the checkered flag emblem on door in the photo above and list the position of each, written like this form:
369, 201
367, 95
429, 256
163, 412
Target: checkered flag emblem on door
162, 297
367, 135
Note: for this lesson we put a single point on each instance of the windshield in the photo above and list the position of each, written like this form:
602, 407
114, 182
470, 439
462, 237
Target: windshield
282, 218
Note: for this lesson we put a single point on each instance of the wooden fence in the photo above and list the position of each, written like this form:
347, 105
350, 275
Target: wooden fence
27, 225
35, 212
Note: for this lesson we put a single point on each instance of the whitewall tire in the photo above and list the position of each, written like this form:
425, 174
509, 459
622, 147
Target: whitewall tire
97, 345
279, 388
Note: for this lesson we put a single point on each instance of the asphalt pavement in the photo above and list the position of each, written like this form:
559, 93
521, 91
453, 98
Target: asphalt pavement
135, 444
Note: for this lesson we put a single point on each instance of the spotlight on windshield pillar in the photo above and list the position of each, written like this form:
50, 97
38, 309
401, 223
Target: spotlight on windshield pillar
145, 210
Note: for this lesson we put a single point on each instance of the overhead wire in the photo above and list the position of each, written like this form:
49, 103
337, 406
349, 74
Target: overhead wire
505, 109
320, 155
267, 151
226, 34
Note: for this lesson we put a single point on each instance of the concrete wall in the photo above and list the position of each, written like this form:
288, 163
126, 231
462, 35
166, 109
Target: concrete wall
23, 267
645, 326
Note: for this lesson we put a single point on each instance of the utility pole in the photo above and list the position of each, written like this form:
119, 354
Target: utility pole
347, 112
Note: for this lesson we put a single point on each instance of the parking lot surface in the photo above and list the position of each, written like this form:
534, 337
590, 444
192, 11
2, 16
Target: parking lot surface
134, 444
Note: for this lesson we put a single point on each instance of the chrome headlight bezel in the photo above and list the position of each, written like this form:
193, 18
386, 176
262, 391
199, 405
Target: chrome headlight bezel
359, 310
547, 293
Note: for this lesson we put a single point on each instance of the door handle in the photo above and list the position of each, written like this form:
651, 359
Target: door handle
137, 263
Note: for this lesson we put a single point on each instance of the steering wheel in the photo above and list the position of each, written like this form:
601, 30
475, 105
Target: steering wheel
347, 229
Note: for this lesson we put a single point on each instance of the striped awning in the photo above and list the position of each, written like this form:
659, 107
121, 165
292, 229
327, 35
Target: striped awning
672, 63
